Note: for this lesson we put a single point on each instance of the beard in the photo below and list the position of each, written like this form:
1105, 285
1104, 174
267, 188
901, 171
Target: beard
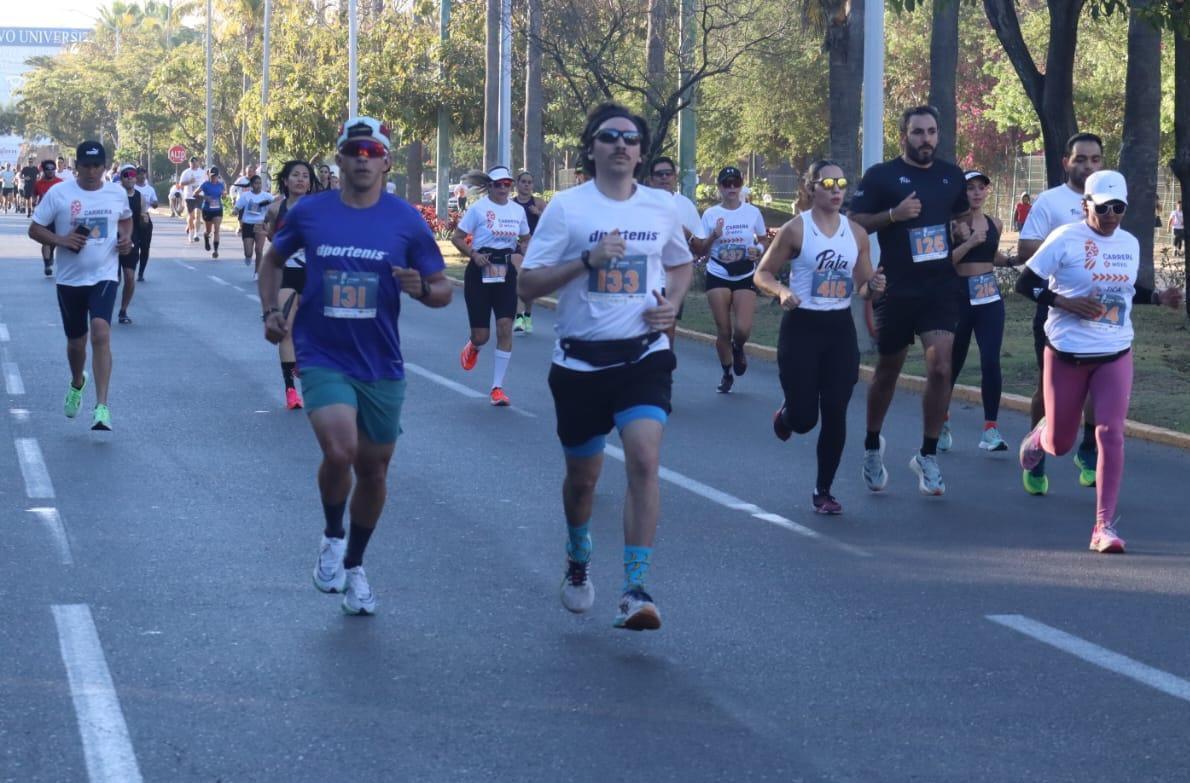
921, 154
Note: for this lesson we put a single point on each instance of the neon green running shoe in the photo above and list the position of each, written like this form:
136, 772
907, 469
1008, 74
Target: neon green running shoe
1035, 484
528, 322
74, 398
1086, 469
102, 420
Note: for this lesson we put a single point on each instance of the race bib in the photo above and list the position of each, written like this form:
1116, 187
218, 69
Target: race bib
831, 287
213, 204
982, 289
1114, 315
96, 227
349, 294
729, 254
622, 280
928, 243
495, 273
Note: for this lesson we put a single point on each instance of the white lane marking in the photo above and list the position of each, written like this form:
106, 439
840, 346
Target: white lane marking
107, 748
735, 504
466, 391
253, 297
37, 477
20, 414
183, 263
3, 333
53, 523
1093, 653
218, 279
13, 383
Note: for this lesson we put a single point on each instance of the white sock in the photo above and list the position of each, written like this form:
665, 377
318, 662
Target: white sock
501, 367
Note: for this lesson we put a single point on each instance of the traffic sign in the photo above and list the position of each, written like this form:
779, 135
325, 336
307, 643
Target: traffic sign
177, 154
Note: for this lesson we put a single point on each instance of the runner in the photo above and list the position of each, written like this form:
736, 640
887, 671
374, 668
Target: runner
189, 181
981, 308
533, 207
1020, 212
41, 186
148, 195
28, 180
909, 202
736, 237
498, 230
251, 207
324, 177
1177, 226
8, 187
664, 176
817, 351
129, 259
1053, 209
295, 181
603, 246
211, 194
364, 247
1091, 269
91, 222
461, 197
65, 173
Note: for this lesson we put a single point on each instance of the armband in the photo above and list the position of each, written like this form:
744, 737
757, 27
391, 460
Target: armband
1047, 298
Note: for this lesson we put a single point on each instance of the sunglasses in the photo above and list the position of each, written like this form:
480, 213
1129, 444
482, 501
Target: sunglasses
128, 174
363, 148
664, 173
732, 183
1115, 206
610, 135
830, 183
502, 183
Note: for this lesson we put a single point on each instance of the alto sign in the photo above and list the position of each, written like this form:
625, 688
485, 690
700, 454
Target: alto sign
177, 154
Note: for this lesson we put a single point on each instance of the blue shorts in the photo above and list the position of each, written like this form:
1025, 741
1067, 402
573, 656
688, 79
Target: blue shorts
81, 304
377, 403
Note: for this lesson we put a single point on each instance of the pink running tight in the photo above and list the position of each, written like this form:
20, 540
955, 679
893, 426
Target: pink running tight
1110, 387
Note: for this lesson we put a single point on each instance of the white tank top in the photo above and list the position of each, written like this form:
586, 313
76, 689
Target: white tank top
822, 275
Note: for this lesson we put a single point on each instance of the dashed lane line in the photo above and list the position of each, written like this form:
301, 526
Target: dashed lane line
52, 522
33, 469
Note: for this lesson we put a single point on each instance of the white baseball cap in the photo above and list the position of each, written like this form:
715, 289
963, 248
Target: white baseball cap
497, 173
364, 128
1104, 186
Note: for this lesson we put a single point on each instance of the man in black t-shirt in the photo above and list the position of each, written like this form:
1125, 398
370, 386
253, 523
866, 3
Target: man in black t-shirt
28, 179
909, 203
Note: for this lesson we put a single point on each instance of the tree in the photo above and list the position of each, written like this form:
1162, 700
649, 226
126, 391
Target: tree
1142, 132
534, 97
842, 24
491, 87
944, 66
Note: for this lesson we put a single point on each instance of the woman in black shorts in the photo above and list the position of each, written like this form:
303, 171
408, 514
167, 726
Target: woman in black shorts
210, 193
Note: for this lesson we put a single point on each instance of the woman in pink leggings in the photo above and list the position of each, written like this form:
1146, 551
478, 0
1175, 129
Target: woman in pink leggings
1091, 271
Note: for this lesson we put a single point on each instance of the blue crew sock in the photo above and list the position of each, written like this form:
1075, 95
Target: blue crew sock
636, 566
578, 545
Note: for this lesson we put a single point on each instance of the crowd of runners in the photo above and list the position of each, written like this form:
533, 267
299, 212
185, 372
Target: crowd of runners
335, 251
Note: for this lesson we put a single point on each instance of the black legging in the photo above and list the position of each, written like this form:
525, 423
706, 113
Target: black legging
146, 239
986, 322
818, 363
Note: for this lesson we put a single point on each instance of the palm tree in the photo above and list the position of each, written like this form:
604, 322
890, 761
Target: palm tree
944, 66
1142, 131
842, 23
119, 17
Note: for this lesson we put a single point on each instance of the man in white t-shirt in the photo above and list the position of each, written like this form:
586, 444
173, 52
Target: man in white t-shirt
1177, 225
190, 181
91, 222
605, 246
1054, 208
664, 175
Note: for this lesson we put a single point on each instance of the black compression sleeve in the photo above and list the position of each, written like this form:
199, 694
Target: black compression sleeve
1143, 296
1031, 285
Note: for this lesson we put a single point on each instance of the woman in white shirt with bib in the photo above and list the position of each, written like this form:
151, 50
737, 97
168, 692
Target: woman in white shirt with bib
252, 206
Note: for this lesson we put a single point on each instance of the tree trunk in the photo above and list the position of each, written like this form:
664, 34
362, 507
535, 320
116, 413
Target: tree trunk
845, 50
944, 65
1142, 133
491, 88
1180, 165
655, 75
534, 101
413, 163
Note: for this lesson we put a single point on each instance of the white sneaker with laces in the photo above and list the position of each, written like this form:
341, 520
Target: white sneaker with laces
875, 476
637, 611
329, 576
929, 475
992, 440
358, 598
578, 594
945, 438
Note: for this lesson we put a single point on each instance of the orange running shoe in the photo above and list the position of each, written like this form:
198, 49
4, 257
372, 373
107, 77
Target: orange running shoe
499, 398
293, 400
469, 356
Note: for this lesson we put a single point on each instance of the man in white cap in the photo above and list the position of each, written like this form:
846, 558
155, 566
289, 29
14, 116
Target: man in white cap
363, 249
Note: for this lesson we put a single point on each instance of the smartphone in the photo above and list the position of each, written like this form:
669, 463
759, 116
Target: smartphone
83, 230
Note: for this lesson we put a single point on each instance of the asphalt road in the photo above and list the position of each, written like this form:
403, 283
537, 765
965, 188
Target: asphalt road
157, 620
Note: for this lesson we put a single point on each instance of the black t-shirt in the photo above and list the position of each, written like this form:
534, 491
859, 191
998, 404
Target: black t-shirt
531, 217
28, 174
915, 254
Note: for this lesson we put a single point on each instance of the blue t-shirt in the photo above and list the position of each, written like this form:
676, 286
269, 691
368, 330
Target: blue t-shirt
211, 194
347, 320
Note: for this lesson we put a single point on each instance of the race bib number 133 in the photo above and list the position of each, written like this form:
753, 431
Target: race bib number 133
623, 279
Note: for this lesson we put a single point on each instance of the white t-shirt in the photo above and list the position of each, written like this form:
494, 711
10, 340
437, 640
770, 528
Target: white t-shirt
390, 188
67, 205
1077, 261
1175, 217
254, 206
148, 194
688, 214
609, 303
823, 273
1054, 208
191, 179
7, 177
66, 175
498, 226
742, 227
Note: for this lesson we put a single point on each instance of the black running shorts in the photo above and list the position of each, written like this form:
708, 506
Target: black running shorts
484, 299
586, 403
81, 304
899, 318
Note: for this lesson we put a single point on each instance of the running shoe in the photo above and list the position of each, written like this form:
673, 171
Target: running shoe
49, 269
206, 241
929, 475
945, 439
329, 574
215, 254
468, 356
499, 398
293, 400
124, 319
248, 261
578, 594
1086, 462
739, 359
826, 504
102, 420
1031, 452
1105, 539
194, 238
637, 611
358, 597
779, 429
875, 476
528, 322
1035, 481
992, 441
518, 323
74, 397
725, 383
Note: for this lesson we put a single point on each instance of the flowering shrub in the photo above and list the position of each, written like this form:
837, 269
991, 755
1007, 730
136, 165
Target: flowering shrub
442, 228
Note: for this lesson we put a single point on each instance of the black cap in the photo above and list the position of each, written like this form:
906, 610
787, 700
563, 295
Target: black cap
90, 152
213, 170
729, 172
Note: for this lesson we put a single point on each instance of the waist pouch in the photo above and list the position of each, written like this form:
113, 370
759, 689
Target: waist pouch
502, 256
1084, 359
604, 353
736, 268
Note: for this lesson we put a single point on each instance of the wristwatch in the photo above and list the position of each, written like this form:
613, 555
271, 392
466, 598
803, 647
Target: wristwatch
265, 315
586, 259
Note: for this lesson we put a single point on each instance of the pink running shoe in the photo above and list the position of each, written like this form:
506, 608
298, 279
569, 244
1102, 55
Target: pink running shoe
1105, 540
293, 400
1031, 452
826, 504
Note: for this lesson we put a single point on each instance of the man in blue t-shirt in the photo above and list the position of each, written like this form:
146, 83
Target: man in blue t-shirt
363, 248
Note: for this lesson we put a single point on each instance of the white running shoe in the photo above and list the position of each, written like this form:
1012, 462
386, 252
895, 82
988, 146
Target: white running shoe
329, 576
358, 598
929, 475
875, 476
578, 594
992, 440
637, 612
945, 439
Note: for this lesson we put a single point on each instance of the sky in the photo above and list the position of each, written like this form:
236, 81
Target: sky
51, 13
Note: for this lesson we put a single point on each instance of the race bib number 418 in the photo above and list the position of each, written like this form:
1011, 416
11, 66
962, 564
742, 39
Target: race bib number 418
623, 279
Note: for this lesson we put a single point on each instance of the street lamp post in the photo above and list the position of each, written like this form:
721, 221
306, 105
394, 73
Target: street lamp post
352, 55
209, 152
505, 137
442, 158
264, 92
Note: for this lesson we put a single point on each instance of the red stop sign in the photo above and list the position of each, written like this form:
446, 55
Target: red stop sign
177, 154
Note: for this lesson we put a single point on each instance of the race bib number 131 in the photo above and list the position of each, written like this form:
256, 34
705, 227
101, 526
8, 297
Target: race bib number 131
349, 294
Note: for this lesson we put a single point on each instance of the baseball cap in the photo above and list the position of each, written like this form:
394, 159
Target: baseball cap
127, 167
90, 152
729, 172
974, 174
213, 170
242, 182
1106, 185
497, 173
364, 128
